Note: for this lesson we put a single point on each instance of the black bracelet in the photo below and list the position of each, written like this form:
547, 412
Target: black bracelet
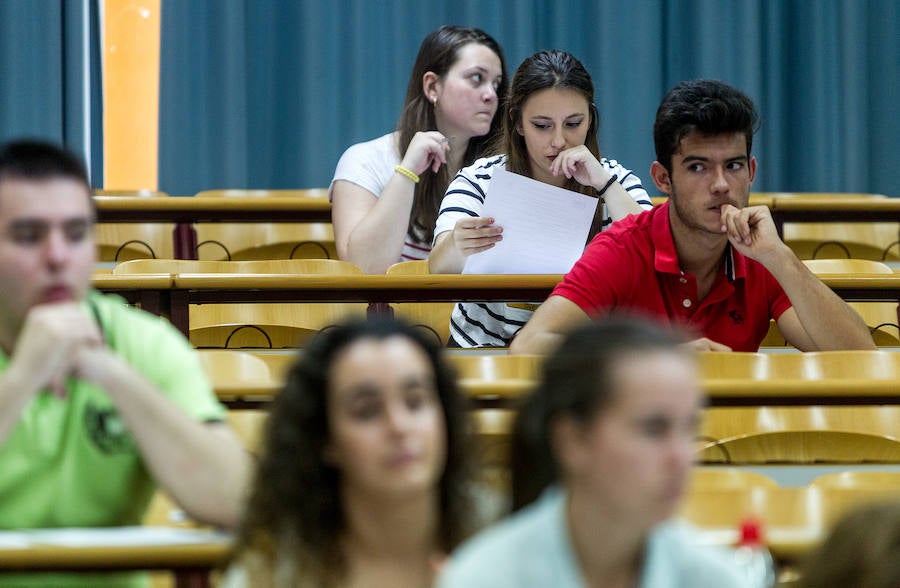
603, 190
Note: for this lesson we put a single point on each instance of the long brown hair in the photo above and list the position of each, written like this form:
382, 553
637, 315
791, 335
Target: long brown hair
438, 53
295, 519
545, 69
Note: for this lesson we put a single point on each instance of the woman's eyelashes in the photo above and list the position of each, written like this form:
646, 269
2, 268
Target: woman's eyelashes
544, 125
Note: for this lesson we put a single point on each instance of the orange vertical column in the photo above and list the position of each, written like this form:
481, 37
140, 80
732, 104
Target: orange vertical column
131, 31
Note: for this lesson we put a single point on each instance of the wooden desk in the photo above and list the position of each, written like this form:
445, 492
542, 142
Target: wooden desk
507, 393
184, 211
379, 289
152, 292
213, 288
864, 287
217, 288
823, 392
171, 295
233, 209
834, 209
795, 519
189, 553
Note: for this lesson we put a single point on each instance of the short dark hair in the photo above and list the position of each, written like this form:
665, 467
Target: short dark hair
295, 507
578, 382
31, 159
709, 107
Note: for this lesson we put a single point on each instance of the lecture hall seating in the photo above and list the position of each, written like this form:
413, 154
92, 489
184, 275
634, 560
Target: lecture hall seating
241, 241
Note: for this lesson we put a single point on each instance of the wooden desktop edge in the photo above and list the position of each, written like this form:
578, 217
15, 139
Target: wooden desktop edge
423, 288
106, 558
139, 209
508, 393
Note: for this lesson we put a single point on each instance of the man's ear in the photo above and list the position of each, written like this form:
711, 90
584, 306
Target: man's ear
431, 86
752, 167
661, 177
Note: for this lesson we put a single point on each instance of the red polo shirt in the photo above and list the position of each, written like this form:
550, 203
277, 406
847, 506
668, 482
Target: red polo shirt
632, 267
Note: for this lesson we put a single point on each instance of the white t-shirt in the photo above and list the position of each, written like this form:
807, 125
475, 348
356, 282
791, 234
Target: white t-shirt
370, 165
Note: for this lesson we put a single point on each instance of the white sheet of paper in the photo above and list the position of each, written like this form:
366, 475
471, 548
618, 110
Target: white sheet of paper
13, 540
544, 227
111, 536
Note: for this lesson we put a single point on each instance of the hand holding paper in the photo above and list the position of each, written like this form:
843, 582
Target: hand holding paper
544, 227
476, 234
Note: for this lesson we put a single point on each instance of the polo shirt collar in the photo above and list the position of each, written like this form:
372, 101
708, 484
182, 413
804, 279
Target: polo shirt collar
665, 258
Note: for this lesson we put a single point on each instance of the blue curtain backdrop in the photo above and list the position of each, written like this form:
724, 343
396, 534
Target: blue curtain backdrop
268, 93
46, 48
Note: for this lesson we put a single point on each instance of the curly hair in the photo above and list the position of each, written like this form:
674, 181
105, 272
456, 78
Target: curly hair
438, 53
295, 519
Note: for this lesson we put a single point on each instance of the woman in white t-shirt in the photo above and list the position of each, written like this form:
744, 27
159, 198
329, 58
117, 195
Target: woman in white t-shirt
385, 192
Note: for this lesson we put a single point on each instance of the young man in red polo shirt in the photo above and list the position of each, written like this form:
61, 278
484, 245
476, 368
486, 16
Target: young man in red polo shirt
705, 259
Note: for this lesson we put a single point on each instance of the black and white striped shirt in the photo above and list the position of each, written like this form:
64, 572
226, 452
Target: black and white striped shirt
494, 324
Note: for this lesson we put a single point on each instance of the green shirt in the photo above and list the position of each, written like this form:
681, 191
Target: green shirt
70, 462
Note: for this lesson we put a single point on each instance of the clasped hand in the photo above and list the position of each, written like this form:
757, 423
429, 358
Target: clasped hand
751, 230
56, 341
579, 163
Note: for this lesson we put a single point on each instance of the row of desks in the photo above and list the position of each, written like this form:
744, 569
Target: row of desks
486, 394
498, 380
190, 554
796, 519
184, 211
171, 294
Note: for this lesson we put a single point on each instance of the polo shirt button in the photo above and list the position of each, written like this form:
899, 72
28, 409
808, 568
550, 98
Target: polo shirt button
682, 280
686, 302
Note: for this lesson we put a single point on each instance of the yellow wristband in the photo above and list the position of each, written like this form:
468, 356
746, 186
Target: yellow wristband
408, 173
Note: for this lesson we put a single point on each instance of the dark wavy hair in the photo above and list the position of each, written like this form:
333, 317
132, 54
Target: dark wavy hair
577, 382
709, 107
438, 53
294, 519
545, 69
32, 159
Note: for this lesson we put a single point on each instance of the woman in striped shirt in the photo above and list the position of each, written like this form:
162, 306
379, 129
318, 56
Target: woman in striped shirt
550, 135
